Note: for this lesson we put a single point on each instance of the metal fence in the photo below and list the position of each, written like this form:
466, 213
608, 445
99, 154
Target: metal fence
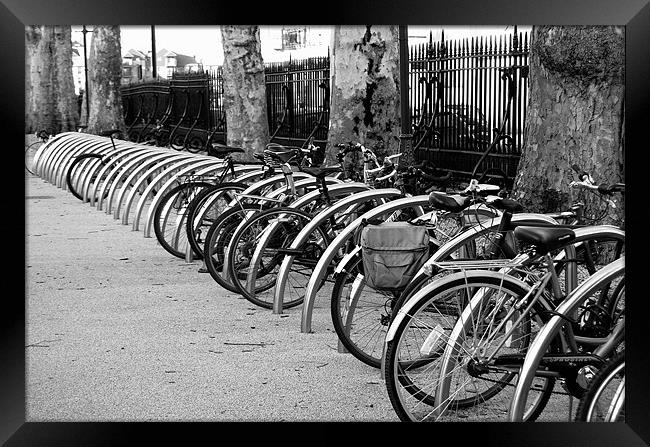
297, 98
464, 95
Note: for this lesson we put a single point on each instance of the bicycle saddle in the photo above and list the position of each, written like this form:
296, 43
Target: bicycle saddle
322, 172
452, 203
259, 156
108, 133
507, 205
221, 150
546, 239
283, 154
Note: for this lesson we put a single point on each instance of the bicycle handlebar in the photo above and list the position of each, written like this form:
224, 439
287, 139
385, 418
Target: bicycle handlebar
603, 188
587, 182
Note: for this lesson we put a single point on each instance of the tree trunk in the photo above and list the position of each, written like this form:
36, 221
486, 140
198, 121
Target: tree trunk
67, 112
104, 80
575, 116
49, 86
244, 89
365, 99
40, 107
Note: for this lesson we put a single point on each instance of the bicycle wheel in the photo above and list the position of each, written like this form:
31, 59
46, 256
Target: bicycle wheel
204, 209
256, 252
30, 152
605, 280
71, 176
361, 314
216, 241
604, 400
434, 362
170, 215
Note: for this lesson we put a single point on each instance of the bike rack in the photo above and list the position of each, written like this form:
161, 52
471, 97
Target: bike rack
357, 198
136, 119
428, 127
156, 160
65, 156
344, 190
172, 134
338, 189
152, 115
166, 167
119, 171
183, 167
106, 172
43, 152
196, 119
320, 271
65, 161
203, 167
63, 152
170, 184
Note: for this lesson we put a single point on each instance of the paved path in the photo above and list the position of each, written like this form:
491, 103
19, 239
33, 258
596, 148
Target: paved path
117, 330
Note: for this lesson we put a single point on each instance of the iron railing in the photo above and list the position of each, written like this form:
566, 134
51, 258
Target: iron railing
466, 97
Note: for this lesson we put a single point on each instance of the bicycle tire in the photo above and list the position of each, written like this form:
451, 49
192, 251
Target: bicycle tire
360, 314
71, 169
589, 407
216, 241
436, 348
30, 151
245, 242
200, 218
174, 201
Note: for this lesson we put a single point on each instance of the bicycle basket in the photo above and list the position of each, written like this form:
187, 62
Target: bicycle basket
392, 253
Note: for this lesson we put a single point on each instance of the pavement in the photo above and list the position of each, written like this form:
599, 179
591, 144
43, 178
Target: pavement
119, 330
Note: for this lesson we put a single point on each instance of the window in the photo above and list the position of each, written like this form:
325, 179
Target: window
293, 38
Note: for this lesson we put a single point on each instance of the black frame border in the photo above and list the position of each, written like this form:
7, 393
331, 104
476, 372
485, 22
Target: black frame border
634, 14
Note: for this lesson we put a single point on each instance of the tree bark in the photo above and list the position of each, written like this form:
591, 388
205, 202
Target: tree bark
49, 85
40, 101
104, 80
575, 116
365, 98
244, 89
67, 111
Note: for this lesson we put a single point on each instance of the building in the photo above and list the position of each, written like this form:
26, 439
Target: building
167, 62
279, 43
136, 66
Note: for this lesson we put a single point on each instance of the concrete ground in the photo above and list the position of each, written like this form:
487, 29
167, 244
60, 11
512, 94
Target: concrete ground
117, 329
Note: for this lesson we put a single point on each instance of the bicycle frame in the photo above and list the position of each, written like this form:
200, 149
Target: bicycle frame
552, 328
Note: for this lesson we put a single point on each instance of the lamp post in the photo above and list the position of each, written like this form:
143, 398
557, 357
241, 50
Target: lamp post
406, 137
85, 31
153, 51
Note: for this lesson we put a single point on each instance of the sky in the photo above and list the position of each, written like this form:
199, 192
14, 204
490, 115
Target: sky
204, 42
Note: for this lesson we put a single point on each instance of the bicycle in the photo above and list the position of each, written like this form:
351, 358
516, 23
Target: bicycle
31, 149
494, 238
273, 243
78, 165
452, 369
604, 399
243, 204
177, 206
211, 202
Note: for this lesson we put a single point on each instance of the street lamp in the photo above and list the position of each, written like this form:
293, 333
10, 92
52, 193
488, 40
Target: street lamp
153, 51
85, 31
406, 137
